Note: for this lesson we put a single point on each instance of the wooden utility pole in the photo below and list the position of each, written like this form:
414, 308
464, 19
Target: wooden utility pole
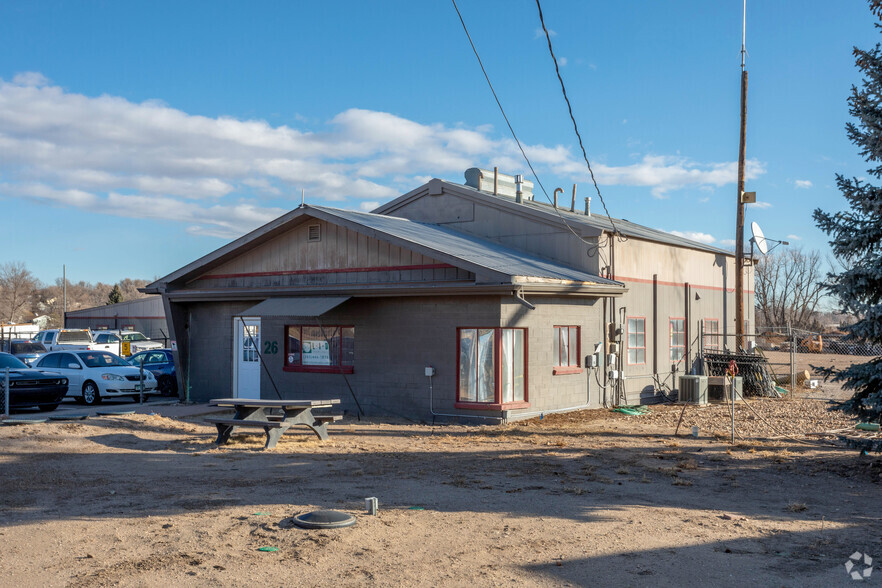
739, 223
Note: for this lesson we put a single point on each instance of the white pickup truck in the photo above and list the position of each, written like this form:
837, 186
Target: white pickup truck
123, 343
66, 339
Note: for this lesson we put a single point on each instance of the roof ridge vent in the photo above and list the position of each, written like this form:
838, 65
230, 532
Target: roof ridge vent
505, 185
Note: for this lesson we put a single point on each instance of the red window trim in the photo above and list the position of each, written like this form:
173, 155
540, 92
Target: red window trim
561, 370
317, 369
558, 365
671, 345
716, 339
497, 404
628, 338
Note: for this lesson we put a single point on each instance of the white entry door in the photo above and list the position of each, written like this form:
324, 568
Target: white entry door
246, 359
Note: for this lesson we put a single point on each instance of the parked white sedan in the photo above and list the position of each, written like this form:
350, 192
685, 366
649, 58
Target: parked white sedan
93, 375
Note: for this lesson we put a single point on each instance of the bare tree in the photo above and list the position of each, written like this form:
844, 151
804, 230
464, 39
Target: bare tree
18, 287
789, 288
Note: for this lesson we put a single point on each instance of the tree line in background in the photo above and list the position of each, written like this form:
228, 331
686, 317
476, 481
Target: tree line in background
23, 297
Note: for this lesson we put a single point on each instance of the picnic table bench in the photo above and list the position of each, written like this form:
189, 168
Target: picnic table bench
275, 417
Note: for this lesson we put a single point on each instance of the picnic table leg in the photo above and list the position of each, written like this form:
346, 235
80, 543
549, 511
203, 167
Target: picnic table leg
223, 433
320, 429
274, 434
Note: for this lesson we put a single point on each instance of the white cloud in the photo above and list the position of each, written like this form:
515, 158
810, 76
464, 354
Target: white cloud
539, 33
759, 204
562, 61
727, 242
664, 174
802, 183
224, 176
694, 236
794, 237
368, 206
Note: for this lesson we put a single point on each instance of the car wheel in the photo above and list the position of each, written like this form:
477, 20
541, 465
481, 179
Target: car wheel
91, 395
47, 407
167, 386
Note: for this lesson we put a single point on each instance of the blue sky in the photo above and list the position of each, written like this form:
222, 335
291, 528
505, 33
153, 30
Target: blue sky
136, 137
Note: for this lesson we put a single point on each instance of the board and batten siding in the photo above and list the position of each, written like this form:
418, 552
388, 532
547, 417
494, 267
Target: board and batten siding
339, 257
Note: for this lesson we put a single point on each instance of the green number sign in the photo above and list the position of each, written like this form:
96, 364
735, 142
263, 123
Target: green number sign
270, 347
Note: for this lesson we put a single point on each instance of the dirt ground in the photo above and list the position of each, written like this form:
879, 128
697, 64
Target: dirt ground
588, 498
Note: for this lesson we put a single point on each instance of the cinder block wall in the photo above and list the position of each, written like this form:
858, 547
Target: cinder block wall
562, 391
210, 327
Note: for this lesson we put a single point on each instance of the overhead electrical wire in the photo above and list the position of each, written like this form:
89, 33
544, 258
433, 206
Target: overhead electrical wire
573, 118
514, 135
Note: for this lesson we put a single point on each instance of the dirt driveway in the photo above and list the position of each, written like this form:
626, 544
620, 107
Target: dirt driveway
591, 498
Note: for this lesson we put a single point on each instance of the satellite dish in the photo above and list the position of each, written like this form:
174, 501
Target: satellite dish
759, 238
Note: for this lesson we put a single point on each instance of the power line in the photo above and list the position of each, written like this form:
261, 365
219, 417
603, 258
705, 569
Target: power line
502, 110
573, 118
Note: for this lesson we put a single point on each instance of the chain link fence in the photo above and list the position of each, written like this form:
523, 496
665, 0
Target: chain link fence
4, 394
797, 360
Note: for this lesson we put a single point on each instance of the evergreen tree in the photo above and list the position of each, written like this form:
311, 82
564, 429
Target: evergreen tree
857, 233
115, 295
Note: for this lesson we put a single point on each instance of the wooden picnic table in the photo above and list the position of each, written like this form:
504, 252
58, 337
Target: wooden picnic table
275, 417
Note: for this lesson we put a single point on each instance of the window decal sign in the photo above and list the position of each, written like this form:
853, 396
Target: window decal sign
316, 353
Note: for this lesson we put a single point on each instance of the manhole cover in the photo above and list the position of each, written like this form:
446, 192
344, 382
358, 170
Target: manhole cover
22, 421
68, 417
114, 412
324, 519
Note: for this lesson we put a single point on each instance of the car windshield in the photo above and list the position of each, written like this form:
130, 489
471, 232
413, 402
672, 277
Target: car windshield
11, 362
96, 359
133, 337
29, 347
74, 337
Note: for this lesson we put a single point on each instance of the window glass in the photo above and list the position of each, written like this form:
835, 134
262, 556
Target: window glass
49, 361
512, 365
678, 339
711, 334
11, 362
67, 359
74, 337
479, 358
94, 359
486, 371
250, 342
322, 347
566, 346
636, 340
468, 350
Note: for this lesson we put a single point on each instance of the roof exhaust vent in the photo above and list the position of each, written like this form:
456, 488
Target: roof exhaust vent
588, 206
519, 183
482, 180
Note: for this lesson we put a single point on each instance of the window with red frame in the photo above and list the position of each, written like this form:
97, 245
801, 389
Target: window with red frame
492, 367
319, 348
636, 340
566, 349
678, 339
712, 334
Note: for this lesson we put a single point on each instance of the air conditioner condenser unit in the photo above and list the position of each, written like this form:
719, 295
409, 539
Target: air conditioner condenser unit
692, 390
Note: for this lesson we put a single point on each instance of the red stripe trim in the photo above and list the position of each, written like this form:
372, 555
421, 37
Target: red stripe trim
677, 284
78, 316
345, 270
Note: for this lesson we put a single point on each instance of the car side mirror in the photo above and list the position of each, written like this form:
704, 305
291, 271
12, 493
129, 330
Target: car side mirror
74, 366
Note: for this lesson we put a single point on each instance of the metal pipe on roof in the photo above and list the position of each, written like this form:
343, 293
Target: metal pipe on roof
573, 205
556, 190
495, 180
587, 206
519, 184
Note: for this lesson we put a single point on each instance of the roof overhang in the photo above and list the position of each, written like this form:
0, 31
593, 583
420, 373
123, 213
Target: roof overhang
306, 306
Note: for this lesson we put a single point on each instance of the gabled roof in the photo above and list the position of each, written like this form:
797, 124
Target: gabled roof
491, 262
538, 210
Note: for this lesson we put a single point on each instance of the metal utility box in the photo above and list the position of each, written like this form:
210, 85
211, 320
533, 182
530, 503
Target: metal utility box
718, 389
692, 390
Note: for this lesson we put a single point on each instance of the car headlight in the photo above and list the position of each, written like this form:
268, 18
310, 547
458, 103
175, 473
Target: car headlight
112, 377
148, 376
